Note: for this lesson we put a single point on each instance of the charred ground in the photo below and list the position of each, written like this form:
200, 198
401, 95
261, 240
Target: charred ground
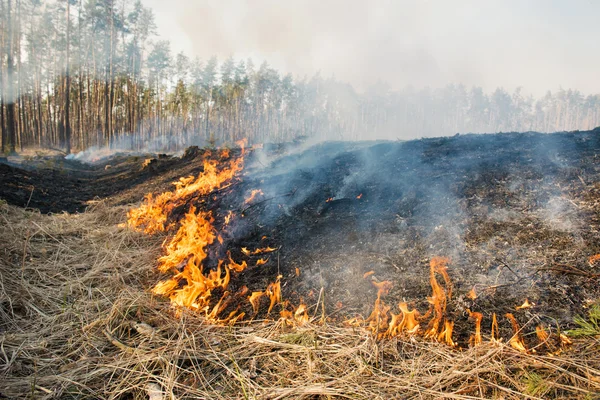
516, 213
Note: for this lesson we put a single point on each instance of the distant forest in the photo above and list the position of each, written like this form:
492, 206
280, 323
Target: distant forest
81, 73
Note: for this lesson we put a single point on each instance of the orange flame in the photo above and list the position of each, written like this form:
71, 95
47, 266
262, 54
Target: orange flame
298, 317
254, 299
516, 341
472, 294
378, 319
254, 193
439, 296
593, 259
526, 304
151, 216
368, 274
274, 293
261, 261
405, 321
495, 335
542, 334
475, 338
229, 217
235, 266
446, 335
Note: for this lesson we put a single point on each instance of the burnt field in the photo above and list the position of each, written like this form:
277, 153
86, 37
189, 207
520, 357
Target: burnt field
516, 215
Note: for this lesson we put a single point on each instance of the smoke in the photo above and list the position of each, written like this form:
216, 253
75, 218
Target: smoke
131, 145
535, 44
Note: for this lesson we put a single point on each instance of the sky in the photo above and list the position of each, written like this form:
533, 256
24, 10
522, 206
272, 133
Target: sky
539, 45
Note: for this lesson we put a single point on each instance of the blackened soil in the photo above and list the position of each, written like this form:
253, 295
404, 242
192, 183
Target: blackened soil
53, 184
517, 214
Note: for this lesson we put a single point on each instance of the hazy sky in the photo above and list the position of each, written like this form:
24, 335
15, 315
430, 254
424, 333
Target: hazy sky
537, 44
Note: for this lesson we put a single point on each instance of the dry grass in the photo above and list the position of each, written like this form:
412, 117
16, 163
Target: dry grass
76, 321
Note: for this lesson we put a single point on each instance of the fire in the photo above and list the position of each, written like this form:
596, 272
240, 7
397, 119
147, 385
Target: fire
253, 195
446, 335
495, 330
475, 338
329, 199
439, 295
516, 341
526, 304
186, 251
594, 259
229, 218
257, 251
274, 293
235, 266
472, 294
386, 324
192, 285
152, 215
254, 299
368, 274
379, 316
297, 317
405, 321
188, 244
542, 334
261, 261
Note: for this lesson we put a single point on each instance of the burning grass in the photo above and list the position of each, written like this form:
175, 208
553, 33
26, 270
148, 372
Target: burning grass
77, 321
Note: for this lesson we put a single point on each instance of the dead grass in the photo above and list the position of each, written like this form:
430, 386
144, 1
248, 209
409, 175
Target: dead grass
76, 321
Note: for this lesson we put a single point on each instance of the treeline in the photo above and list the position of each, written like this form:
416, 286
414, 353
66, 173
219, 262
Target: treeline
81, 73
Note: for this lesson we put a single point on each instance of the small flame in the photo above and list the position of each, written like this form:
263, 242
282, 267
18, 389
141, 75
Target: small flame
542, 334
446, 335
261, 261
235, 266
274, 293
378, 319
253, 195
257, 251
516, 341
526, 304
475, 338
329, 199
368, 274
359, 196
472, 294
495, 335
564, 340
229, 218
439, 296
297, 271
254, 299
594, 259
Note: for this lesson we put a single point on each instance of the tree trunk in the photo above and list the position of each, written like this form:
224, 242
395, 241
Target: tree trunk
10, 111
68, 85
